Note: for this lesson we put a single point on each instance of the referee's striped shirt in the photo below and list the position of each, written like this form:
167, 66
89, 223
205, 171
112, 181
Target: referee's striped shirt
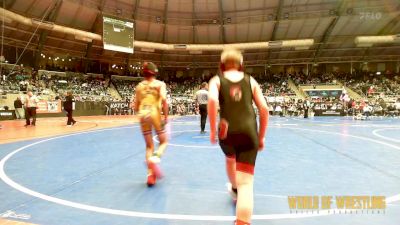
202, 97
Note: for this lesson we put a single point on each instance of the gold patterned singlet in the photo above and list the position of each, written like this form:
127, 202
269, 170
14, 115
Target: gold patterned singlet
150, 101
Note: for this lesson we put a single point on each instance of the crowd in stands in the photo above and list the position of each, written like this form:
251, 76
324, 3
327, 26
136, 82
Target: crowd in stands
377, 107
125, 88
8, 87
274, 85
180, 91
375, 86
13, 81
183, 85
317, 78
84, 88
182, 106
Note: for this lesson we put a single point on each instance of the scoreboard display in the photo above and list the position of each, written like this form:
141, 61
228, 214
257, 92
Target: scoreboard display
118, 35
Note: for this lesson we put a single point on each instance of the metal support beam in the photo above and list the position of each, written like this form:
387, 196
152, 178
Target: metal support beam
221, 22
51, 17
194, 18
94, 28
8, 4
384, 30
135, 12
389, 26
136, 9
165, 21
329, 29
276, 25
164, 33
277, 19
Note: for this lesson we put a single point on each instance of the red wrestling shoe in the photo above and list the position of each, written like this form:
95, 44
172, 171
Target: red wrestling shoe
239, 222
153, 164
151, 180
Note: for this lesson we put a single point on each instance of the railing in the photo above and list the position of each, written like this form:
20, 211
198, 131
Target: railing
318, 84
324, 85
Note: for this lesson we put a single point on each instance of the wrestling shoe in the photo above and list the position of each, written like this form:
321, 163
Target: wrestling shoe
151, 180
154, 162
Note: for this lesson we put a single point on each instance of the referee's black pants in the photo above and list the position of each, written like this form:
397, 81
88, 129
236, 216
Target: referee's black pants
30, 112
306, 113
69, 115
203, 114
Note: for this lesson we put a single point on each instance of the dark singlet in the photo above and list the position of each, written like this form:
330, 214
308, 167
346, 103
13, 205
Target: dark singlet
236, 107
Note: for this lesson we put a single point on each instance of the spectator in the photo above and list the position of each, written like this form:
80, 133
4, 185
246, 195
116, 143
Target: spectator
306, 106
19, 111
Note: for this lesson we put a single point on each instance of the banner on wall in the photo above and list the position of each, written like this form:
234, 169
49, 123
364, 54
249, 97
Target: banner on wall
119, 105
329, 112
276, 99
48, 106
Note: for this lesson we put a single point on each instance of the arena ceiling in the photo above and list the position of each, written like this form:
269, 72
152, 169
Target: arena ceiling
333, 24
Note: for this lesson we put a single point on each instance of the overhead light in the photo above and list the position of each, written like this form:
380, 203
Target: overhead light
6, 61
180, 46
298, 43
370, 40
63, 60
113, 66
49, 57
70, 60
378, 73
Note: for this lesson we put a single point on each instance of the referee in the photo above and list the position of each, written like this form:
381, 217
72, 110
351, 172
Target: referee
31, 102
202, 100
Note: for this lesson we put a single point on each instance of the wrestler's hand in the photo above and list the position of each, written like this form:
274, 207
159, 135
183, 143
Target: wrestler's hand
165, 121
261, 144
